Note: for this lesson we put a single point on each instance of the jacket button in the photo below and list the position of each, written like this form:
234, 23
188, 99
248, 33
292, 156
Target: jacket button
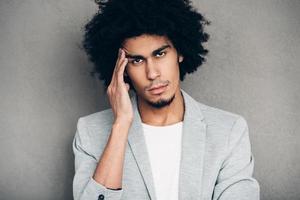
101, 197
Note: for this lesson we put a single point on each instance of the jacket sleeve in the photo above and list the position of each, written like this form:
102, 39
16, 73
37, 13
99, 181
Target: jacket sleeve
235, 181
84, 186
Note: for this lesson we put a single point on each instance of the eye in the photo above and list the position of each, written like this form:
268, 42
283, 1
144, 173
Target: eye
136, 61
160, 54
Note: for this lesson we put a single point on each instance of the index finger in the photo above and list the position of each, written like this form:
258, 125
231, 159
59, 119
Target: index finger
117, 65
121, 68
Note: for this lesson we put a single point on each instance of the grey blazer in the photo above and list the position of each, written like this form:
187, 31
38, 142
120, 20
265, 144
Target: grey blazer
216, 159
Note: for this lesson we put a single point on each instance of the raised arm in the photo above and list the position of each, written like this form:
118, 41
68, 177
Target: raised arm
103, 179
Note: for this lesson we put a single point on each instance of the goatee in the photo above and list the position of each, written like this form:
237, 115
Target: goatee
161, 103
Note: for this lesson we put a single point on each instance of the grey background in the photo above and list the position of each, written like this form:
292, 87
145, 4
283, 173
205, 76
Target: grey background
252, 69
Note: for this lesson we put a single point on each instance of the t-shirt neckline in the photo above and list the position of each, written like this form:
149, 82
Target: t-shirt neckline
166, 126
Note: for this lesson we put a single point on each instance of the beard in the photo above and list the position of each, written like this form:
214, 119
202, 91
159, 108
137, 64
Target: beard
160, 103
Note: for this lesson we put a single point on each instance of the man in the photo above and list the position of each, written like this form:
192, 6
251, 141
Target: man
159, 143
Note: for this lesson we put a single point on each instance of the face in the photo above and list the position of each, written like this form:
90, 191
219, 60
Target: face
153, 62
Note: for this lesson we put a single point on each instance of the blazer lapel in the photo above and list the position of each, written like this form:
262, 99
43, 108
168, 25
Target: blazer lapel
193, 141
192, 153
137, 144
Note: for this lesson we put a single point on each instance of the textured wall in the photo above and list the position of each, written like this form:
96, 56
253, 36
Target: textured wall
252, 69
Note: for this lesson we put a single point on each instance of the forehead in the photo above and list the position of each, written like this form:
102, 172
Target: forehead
145, 44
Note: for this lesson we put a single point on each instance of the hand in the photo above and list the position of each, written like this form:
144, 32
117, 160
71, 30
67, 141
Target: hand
117, 92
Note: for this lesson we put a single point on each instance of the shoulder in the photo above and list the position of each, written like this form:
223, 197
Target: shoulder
212, 116
224, 125
95, 126
225, 130
103, 118
220, 117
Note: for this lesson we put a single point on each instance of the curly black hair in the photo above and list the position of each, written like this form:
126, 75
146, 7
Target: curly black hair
118, 20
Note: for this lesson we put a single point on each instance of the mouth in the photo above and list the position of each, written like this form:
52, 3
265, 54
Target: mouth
158, 89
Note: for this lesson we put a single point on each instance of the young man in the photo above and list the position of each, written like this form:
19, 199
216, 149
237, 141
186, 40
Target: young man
159, 143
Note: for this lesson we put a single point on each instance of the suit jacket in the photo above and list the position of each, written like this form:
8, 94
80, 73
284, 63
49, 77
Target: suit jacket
216, 159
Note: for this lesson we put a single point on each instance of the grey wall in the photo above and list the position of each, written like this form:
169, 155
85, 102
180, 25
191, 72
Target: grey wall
252, 69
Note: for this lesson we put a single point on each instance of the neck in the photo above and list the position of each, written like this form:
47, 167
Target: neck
167, 115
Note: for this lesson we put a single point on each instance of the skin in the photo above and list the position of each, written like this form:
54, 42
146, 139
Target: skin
164, 109
153, 60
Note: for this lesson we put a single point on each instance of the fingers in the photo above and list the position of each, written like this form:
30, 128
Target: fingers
119, 60
121, 70
116, 65
118, 73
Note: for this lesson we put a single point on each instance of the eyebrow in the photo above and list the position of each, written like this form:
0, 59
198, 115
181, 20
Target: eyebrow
153, 53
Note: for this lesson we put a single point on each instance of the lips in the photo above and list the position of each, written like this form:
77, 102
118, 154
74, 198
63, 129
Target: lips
158, 89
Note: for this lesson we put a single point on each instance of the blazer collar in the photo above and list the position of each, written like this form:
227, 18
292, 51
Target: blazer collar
193, 144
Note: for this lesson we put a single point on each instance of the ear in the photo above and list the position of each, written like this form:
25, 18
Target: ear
180, 58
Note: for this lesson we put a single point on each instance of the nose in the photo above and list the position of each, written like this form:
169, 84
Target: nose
152, 70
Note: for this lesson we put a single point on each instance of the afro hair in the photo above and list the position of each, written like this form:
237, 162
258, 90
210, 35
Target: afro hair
118, 20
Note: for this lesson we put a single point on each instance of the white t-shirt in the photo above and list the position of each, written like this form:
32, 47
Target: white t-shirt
164, 148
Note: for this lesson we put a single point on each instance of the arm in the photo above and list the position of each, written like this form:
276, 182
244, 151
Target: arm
88, 183
101, 180
109, 170
235, 179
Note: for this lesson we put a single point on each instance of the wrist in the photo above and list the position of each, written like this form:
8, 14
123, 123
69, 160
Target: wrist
120, 130
122, 123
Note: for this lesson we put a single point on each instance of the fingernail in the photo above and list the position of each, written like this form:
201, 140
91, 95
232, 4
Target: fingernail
120, 52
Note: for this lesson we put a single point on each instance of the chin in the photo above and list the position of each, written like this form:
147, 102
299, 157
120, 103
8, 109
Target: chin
161, 101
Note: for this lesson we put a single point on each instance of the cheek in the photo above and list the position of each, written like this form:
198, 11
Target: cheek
136, 77
170, 68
